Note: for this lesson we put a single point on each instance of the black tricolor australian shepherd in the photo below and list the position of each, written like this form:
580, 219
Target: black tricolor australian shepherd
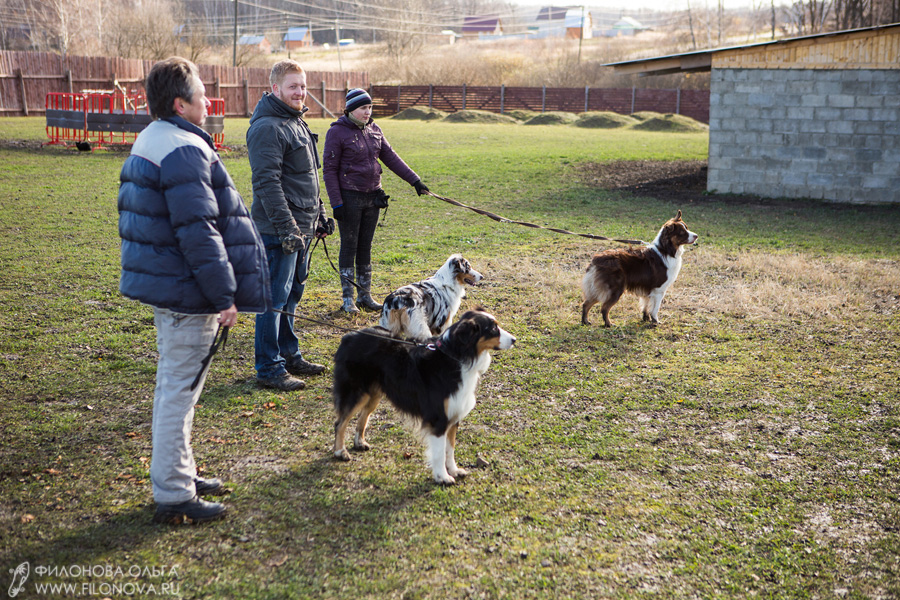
434, 384
646, 272
421, 310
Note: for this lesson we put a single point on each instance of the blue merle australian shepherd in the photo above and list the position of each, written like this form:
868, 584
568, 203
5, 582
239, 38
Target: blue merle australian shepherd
421, 310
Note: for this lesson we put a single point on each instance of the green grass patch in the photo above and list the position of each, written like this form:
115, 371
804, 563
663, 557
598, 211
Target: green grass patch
746, 447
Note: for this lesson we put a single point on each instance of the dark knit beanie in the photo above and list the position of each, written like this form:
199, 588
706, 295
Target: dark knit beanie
357, 97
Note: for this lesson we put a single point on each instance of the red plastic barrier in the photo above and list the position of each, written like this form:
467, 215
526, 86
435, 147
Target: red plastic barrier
104, 118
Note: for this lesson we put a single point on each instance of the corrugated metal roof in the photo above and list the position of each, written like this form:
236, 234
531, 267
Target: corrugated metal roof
701, 60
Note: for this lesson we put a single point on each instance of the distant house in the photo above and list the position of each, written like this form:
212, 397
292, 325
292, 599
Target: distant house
258, 41
579, 24
484, 25
553, 13
297, 37
551, 21
625, 26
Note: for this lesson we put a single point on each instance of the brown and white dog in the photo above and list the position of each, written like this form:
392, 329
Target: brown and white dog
421, 310
646, 272
434, 384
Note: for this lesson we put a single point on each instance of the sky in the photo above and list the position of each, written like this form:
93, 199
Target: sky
661, 5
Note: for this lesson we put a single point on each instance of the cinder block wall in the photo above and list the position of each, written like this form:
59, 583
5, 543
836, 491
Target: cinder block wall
806, 133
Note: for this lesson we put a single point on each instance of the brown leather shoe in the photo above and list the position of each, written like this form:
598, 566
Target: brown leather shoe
283, 382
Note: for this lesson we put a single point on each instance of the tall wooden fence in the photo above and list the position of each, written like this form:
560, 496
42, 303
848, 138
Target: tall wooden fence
27, 77
391, 99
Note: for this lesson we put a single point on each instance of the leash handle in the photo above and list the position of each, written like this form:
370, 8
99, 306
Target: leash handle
218, 342
500, 219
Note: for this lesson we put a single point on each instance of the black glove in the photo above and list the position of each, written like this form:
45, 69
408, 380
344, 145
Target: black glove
338, 212
325, 229
381, 200
293, 241
421, 188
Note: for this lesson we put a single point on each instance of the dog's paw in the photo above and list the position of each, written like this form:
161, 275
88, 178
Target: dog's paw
361, 445
458, 473
444, 479
342, 454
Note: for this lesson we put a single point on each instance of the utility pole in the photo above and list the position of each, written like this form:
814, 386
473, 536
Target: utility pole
337, 38
580, 33
234, 45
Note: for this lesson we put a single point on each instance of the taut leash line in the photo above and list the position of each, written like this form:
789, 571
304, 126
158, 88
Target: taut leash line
500, 219
347, 329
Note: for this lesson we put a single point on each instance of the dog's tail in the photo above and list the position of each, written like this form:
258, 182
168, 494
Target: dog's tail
395, 320
395, 313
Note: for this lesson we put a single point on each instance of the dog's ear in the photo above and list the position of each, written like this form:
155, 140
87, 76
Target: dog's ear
678, 216
463, 338
458, 263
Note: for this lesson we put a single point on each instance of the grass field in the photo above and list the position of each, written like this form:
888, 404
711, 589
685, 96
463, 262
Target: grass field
748, 447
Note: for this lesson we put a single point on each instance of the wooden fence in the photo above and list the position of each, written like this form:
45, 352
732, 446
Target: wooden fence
391, 99
27, 77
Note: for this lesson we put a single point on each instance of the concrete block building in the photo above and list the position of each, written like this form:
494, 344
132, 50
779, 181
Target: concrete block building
812, 117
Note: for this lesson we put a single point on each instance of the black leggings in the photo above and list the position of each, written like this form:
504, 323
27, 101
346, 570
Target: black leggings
357, 228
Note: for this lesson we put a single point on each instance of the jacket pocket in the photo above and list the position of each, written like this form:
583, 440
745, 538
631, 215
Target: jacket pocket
299, 158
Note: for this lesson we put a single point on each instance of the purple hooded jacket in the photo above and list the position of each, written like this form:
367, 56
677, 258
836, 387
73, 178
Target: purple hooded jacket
350, 159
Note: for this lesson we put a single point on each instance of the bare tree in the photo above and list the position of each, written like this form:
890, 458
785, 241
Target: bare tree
149, 30
690, 16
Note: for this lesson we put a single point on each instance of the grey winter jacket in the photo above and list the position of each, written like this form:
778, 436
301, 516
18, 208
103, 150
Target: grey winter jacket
284, 163
188, 243
351, 159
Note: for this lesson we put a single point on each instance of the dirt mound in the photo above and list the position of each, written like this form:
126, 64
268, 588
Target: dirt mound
604, 120
477, 116
521, 115
646, 114
673, 123
552, 118
420, 113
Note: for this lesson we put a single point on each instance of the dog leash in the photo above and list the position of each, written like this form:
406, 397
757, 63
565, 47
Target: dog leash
350, 330
500, 219
331, 262
218, 342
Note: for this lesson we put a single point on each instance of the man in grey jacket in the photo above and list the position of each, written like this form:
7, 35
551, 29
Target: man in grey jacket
288, 213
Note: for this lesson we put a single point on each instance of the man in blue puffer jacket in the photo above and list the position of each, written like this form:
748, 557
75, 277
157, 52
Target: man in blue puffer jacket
190, 250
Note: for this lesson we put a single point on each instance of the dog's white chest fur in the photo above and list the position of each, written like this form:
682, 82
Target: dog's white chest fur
462, 402
673, 267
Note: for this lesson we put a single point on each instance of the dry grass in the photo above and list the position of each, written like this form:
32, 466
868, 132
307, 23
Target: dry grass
750, 285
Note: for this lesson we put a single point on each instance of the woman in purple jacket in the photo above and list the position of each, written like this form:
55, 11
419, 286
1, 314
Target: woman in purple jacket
353, 146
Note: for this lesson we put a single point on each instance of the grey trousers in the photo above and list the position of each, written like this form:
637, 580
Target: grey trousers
183, 342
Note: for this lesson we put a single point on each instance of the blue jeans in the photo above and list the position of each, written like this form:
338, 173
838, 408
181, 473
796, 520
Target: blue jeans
275, 338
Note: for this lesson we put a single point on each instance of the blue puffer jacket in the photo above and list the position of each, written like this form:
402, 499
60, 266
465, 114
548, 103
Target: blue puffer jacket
188, 243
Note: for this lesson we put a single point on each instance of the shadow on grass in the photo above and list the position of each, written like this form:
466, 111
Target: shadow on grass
622, 338
96, 544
